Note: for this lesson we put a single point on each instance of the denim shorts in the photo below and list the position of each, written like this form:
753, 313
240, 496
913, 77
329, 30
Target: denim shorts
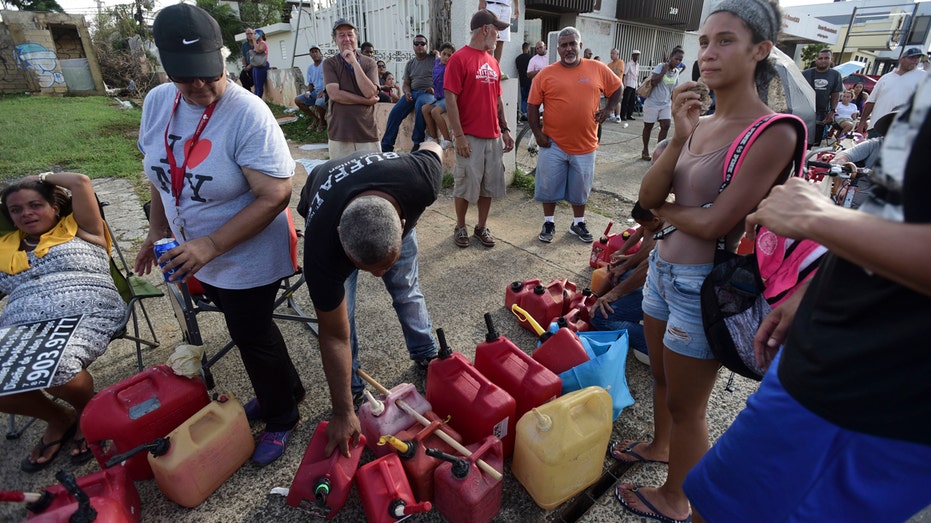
563, 176
672, 293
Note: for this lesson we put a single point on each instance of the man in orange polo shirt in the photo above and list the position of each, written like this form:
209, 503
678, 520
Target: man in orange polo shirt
566, 163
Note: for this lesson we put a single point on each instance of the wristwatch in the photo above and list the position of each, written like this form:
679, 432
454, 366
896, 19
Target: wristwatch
44, 175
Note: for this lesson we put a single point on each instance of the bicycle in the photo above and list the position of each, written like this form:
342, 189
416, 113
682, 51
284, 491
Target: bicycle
845, 181
526, 150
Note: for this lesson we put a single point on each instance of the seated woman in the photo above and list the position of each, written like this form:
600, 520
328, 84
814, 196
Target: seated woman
56, 264
390, 92
845, 114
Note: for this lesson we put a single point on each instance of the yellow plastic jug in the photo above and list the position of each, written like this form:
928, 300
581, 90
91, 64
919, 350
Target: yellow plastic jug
598, 277
204, 451
561, 445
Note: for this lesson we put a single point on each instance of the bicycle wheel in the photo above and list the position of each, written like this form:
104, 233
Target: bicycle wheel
525, 150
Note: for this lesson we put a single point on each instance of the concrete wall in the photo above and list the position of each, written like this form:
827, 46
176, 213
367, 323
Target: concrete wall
35, 42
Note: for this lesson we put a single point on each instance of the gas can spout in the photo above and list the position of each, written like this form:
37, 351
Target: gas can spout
399, 508
405, 448
544, 422
322, 491
444, 351
378, 407
492, 334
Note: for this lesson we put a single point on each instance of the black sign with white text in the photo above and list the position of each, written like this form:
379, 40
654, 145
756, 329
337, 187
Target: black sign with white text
30, 353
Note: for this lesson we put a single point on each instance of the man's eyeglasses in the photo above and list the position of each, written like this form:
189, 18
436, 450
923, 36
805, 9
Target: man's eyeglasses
418, 44
190, 79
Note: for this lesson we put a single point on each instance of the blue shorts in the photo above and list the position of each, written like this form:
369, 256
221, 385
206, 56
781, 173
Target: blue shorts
780, 462
307, 97
672, 293
441, 103
563, 176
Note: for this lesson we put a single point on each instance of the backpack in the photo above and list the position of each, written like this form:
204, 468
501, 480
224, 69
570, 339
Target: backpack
741, 290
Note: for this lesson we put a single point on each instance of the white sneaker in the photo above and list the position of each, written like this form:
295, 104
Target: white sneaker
445, 144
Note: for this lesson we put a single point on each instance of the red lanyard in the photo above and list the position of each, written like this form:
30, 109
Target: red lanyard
177, 172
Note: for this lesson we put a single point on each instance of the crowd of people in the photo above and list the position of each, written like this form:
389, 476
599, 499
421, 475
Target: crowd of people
840, 427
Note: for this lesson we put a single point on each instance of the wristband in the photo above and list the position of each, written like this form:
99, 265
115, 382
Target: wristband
44, 175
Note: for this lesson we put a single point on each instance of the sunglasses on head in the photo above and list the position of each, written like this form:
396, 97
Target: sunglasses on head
190, 79
419, 43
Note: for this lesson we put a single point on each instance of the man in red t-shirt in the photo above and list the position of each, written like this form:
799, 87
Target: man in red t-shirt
570, 89
476, 120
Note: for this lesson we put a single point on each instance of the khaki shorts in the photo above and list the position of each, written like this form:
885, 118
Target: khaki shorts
482, 173
340, 149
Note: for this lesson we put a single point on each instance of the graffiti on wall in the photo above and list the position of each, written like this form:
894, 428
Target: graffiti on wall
41, 62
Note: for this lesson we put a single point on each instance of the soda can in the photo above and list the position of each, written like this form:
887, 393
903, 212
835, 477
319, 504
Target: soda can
161, 247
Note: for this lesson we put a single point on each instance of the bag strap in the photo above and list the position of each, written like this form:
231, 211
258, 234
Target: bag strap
736, 154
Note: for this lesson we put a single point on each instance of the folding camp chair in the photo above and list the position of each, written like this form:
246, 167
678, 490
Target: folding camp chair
188, 300
132, 289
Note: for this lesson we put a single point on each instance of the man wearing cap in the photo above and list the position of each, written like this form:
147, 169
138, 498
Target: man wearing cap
313, 102
571, 90
828, 85
220, 181
352, 84
478, 126
630, 79
892, 90
245, 77
417, 91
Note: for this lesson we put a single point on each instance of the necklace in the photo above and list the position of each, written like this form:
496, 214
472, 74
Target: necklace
29, 243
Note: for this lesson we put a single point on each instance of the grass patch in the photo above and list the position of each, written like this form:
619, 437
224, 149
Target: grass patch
91, 135
523, 181
297, 131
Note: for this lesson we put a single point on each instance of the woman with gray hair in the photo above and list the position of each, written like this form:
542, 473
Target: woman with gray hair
735, 42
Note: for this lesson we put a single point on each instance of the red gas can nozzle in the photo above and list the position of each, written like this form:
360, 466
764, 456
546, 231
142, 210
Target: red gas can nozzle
399, 508
492, 334
460, 466
322, 490
444, 351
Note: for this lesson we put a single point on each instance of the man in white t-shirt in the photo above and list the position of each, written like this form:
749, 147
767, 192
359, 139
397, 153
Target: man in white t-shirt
630, 79
893, 89
539, 60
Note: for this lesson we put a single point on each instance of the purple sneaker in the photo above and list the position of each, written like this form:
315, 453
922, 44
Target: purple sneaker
271, 446
253, 410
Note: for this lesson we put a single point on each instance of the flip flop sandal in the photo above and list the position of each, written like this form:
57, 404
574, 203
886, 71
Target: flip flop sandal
84, 455
630, 452
655, 514
29, 466
645, 156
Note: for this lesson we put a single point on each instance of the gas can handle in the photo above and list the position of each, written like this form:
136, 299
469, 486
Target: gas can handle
524, 316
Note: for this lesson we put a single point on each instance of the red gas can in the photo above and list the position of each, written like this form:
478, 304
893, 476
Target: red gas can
527, 380
598, 248
545, 303
518, 290
578, 317
382, 415
386, 494
559, 351
411, 445
464, 493
112, 493
138, 410
476, 406
321, 485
